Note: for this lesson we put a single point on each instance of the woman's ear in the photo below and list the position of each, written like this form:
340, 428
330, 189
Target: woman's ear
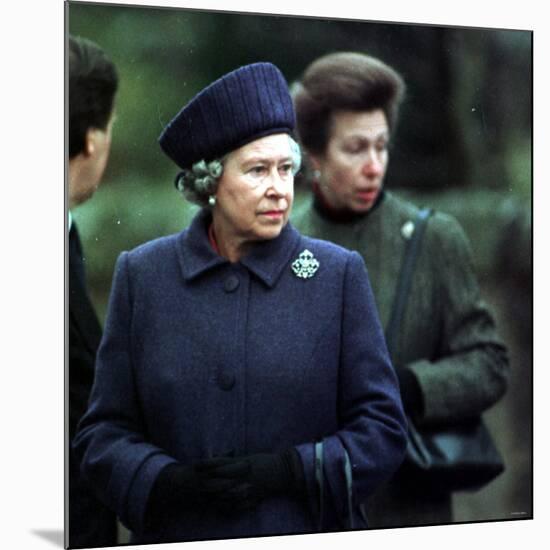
315, 162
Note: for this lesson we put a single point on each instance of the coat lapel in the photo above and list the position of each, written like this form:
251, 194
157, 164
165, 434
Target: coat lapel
268, 259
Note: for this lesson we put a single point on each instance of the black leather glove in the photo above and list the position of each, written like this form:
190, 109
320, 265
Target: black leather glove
258, 476
411, 394
183, 487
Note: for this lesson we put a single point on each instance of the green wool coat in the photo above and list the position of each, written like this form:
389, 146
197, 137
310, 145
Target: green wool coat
447, 338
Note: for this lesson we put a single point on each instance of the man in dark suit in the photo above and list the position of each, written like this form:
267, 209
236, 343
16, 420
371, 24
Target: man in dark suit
93, 82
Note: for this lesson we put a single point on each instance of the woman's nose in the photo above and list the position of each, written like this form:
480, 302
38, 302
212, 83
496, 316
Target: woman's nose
372, 165
278, 185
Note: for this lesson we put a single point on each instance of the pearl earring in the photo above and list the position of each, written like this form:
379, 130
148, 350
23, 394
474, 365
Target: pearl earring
212, 200
316, 175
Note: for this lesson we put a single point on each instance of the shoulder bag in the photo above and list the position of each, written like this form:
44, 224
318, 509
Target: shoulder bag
457, 457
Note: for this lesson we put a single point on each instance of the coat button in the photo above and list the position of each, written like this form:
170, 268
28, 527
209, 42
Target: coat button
226, 381
231, 283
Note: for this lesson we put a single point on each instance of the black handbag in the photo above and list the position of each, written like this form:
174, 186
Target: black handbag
459, 457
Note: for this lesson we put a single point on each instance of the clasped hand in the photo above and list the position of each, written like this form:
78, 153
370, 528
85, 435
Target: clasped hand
227, 484
237, 484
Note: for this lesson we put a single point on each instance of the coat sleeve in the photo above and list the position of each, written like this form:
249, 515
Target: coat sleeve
115, 457
469, 373
371, 439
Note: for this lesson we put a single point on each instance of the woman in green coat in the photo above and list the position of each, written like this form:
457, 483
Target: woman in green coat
450, 362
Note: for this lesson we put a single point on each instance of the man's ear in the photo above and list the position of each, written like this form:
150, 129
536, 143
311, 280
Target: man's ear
90, 141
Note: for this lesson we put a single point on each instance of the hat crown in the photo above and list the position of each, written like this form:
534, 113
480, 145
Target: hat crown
248, 103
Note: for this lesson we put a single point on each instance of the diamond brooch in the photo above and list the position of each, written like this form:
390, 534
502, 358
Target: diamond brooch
306, 265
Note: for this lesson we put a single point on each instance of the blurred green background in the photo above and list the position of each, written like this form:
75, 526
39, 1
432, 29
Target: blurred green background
463, 145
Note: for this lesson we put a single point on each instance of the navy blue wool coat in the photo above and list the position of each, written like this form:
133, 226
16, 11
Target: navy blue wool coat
202, 358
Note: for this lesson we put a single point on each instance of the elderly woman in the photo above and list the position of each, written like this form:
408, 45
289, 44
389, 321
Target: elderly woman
449, 360
243, 384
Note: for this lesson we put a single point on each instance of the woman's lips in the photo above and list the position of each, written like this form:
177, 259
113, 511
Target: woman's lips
367, 196
273, 214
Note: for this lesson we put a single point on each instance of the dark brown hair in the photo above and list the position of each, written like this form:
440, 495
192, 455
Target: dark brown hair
93, 81
343, 81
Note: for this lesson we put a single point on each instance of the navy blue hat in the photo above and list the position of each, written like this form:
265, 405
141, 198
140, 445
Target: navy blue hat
241, 106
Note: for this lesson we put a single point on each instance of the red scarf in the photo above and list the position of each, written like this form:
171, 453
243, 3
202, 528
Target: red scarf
339, 215
212, 239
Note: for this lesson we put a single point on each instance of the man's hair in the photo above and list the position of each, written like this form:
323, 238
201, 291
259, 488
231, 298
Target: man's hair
93, 81
343, 81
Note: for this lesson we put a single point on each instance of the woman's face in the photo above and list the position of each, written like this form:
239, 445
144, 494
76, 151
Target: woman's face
255, 192
355, 159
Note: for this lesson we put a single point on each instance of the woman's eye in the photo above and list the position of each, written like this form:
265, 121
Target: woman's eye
354, 149
257, 170
286, 168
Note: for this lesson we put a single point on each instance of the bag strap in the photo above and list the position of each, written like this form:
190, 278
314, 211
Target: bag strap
405, 277
319, 477
349, 487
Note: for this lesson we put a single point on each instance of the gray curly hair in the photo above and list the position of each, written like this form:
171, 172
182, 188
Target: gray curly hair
200, 182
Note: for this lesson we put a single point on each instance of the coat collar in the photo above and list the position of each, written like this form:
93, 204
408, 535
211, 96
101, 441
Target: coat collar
266, 260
